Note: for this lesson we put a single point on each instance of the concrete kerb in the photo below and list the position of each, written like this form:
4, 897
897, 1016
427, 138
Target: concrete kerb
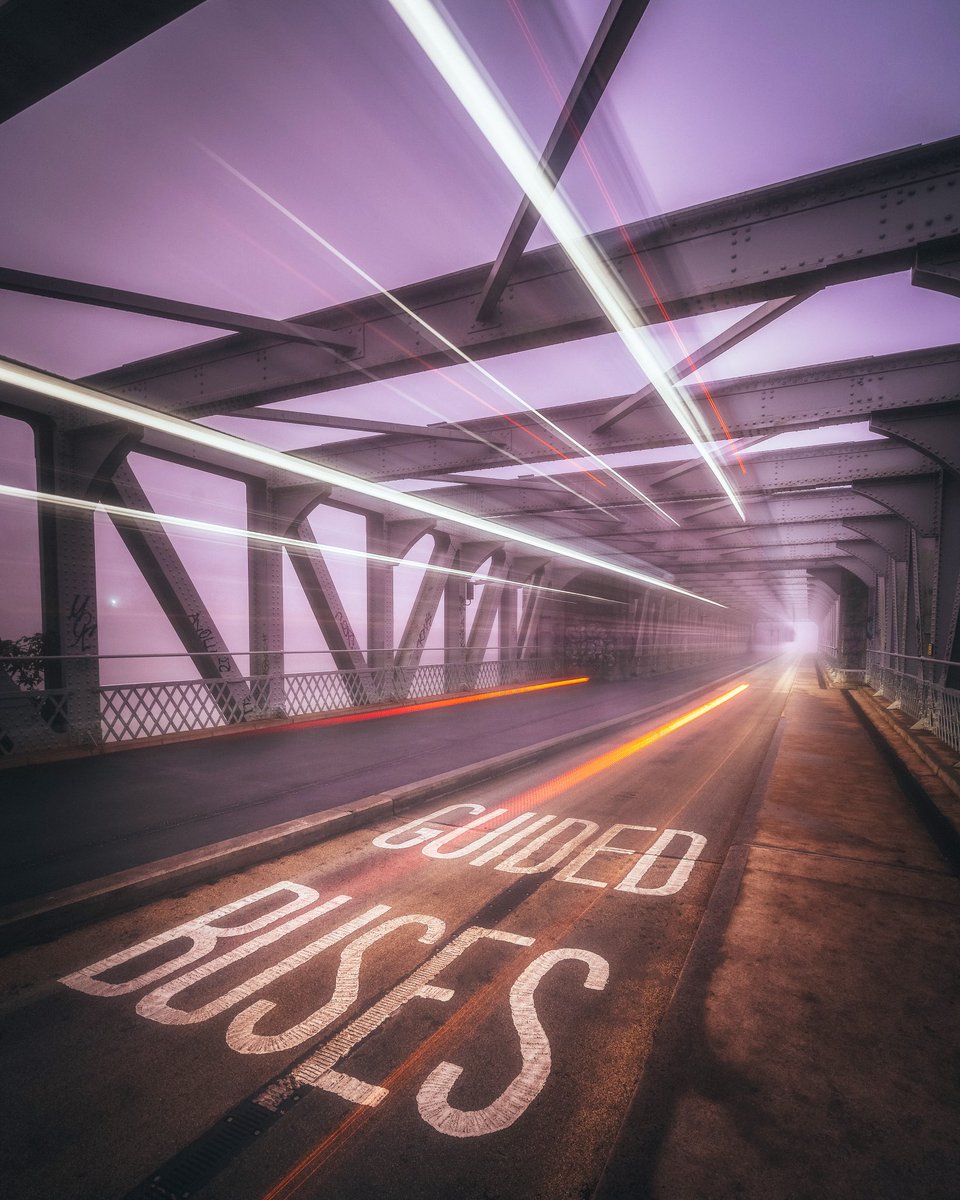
44, 917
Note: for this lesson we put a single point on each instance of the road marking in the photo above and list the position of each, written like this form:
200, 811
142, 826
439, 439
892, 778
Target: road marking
156, 1004
318, 1070
433, 1097
434, 840
199, 931
240, 1034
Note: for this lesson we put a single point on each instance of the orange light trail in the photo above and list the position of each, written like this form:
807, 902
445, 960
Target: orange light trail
375, 714
621, 228
480, 1004
568, 779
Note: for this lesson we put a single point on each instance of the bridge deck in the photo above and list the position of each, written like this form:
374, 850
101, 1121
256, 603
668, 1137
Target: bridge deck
777, 1019
63, 823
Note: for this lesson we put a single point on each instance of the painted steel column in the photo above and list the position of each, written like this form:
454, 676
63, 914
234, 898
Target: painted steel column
265, 608
507, 626
73, 462
486, 611
325, 602
379, 596
946, 639
454, 628
527, 634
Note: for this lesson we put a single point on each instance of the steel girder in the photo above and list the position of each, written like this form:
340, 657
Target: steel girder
611, 40
47, 43
424, 609
160, 306
862, 219
778, 472
934, 431
752, 406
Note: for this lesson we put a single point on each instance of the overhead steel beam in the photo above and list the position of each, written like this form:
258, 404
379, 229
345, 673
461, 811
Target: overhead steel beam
916, 500
367, 425
612, 38
934, 431
778, 472
869, 553
889, 532
938, 271
731, 450
737, 333
752, 406
851, 222
169, 310
47, 43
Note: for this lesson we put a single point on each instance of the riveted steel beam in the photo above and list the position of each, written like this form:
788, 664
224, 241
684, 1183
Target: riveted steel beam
169, 310
852, 222
935, 432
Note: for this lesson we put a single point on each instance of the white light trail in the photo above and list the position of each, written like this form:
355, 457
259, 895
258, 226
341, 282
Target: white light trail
471, 433
88, 398
489, 114
435, 333
274, 539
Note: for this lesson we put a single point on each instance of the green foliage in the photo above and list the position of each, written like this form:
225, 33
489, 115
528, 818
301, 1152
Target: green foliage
27, 670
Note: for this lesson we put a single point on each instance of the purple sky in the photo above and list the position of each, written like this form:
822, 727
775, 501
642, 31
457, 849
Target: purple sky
331, 108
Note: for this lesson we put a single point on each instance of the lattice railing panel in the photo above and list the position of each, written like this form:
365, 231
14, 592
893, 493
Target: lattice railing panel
37, 721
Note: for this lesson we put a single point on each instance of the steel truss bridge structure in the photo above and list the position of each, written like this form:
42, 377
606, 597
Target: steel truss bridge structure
862, 538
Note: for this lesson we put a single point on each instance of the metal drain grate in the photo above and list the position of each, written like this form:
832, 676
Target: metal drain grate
184, 1175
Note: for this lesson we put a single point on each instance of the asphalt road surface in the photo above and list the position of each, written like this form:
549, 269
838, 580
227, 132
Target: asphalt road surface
67, 822
416, 1009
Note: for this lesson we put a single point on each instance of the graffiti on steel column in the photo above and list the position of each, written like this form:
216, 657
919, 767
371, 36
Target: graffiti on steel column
83, 624
209, 641
210, 950
424, 632
343, 624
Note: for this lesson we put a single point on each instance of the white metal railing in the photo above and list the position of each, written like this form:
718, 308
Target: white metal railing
33, 720
907, 682
839, 668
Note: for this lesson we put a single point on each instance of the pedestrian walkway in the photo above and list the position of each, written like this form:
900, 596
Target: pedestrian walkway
811, 1046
